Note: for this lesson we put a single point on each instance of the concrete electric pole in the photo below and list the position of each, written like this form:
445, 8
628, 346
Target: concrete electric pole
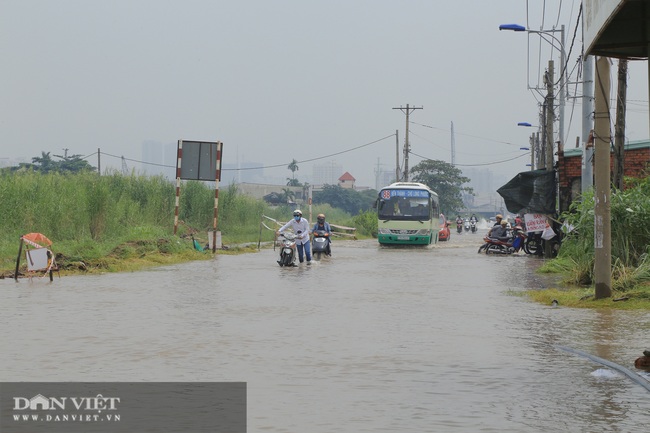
602, 210
406, 111
619, 129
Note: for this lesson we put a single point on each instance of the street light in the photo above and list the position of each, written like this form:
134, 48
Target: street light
533, 145
513, 27
545, 34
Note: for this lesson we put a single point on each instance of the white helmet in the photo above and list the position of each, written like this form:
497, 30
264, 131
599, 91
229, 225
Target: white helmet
297, 212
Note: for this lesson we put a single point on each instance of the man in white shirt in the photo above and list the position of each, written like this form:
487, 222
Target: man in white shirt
300, 227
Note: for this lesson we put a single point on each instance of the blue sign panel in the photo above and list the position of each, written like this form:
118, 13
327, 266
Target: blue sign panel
415, 193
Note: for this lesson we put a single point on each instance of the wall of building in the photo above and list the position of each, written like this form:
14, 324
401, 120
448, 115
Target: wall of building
636, 164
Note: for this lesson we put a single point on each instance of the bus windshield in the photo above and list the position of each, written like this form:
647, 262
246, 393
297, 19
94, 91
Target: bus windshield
404, 204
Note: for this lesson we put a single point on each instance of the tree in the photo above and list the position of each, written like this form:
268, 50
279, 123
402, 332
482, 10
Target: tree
73, 164
349, 200
287, 195
293, 166
293, 182
44, 163
444, 179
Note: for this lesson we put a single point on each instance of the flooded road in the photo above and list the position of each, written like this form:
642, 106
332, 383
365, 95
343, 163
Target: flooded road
373, 339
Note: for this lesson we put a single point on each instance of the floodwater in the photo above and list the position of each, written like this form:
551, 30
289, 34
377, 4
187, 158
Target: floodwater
373, 339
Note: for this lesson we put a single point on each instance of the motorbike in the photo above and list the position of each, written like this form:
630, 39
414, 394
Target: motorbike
466, 225
509, 245
459, 227
287, 250
320, 244
473, 226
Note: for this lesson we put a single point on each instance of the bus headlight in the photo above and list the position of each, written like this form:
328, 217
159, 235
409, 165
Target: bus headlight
384, 231
424, 232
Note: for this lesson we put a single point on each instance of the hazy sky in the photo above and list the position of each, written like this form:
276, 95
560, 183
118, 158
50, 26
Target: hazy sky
277, 80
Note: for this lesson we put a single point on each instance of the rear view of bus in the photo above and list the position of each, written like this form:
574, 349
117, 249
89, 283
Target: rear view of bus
408, 214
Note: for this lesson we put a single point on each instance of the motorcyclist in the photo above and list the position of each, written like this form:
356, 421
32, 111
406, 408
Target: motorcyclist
498, 217
322, 225
459, 223
300, 227
499, 232
519, 220
473, 219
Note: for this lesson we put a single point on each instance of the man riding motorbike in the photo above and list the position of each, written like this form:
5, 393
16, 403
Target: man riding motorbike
324, 226
300, 227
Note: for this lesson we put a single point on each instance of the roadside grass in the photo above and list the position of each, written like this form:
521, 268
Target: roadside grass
116, 223
583, 297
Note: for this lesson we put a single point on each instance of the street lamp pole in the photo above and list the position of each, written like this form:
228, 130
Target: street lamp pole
533, 144
562, 82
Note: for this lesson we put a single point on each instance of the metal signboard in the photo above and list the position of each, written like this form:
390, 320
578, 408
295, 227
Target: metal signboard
199, 160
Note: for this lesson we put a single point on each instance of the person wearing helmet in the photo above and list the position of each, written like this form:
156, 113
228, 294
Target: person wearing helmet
499, 217
500, 231
322, 225
300, 227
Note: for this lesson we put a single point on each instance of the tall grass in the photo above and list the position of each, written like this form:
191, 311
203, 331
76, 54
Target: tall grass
630, 224
88, 214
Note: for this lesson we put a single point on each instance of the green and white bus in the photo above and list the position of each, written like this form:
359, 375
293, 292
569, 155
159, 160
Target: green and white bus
408, 214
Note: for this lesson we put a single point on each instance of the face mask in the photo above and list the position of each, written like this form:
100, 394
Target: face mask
297, 217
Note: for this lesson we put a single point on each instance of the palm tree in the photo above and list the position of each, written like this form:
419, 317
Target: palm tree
44, 162
293, 167
287, 195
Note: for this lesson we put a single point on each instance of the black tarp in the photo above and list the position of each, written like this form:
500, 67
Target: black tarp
530, 192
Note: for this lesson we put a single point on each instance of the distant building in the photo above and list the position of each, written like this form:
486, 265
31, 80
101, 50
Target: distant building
346, 181
383, 178
325, 174
252, 172
159, 158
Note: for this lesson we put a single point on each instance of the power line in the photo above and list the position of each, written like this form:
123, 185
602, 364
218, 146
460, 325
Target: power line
250, 168
477, 165
467, 135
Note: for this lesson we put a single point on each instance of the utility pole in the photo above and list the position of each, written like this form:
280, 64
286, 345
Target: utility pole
550, 117
453, 146
587, 123
397, 174
406, 111
602, 211
619, 134
541, 156
548, 78
99, 161
531, 142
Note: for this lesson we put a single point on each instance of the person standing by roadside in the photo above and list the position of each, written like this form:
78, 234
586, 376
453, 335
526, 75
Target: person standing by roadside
300, 227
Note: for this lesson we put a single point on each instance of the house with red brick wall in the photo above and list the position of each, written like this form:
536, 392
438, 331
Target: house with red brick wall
636, 163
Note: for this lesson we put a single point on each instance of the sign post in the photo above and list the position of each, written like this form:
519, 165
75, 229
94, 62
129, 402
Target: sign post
199, 160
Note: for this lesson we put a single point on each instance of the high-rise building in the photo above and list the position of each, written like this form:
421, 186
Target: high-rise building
159, 158
327, 173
